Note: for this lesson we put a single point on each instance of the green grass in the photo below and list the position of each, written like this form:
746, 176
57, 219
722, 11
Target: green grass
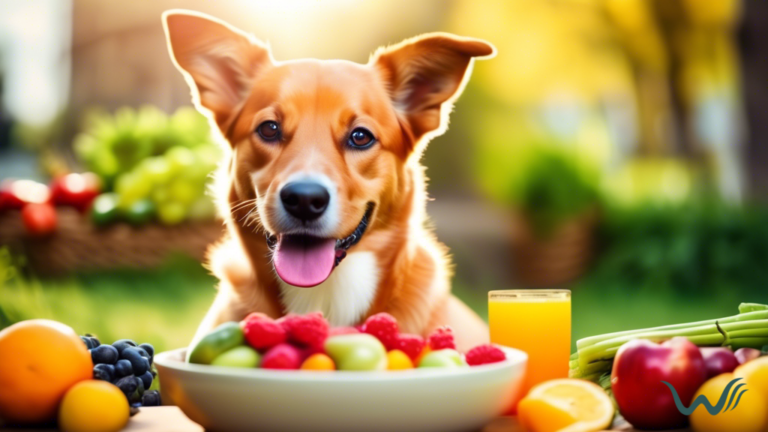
162, 307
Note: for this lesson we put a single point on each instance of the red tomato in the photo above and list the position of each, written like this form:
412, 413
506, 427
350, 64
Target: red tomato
76, 190
39, 219
15, 194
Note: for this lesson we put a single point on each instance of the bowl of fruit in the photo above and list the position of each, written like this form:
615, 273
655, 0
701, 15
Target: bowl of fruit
297, 373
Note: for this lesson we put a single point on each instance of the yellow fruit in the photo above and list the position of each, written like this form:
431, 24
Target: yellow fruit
39, 361
398, 360
755, 372
566, 405
749, 416
319, 362
93, 406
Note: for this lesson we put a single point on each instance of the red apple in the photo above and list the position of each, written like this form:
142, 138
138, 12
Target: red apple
640, 367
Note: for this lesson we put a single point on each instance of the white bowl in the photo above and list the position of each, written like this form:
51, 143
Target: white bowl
233, 399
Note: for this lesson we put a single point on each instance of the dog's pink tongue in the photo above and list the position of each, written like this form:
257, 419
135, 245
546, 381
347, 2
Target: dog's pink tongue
304, 261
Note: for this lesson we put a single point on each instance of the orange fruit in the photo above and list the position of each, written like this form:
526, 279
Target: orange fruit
93, 406
319, 362
39, 361
755, 373
566, 405
398, 360
749, 414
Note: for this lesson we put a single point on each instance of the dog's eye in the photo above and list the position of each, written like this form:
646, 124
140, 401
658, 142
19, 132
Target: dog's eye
269, 131
361, 138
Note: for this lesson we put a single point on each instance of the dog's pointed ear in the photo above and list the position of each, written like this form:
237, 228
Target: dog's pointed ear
425, 75
219, 61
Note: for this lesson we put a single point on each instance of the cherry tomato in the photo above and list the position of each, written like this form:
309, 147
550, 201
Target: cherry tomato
15, 194
39, 219
76, 190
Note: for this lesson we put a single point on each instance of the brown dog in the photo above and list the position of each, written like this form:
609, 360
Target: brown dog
324, 162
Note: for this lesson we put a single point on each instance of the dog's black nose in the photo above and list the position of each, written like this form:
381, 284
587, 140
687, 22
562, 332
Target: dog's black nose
305, 200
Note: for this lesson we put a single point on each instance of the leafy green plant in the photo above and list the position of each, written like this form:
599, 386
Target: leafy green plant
547, 182
684, 248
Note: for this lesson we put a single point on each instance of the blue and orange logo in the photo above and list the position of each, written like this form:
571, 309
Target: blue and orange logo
736, 395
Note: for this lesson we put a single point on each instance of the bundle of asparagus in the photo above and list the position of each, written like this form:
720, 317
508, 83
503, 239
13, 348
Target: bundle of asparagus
748, 329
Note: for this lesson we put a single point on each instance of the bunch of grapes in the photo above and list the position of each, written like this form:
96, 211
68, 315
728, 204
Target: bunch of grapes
153, 166
171, 185
126, 365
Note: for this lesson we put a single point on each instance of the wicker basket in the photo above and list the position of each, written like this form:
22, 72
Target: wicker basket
559, 258
78, 245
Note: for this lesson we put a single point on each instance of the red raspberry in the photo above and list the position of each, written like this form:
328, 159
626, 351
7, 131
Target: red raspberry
336, 331
484, 354
384, 327
262, 332
441, 338
282, 356
410, 344
306, 330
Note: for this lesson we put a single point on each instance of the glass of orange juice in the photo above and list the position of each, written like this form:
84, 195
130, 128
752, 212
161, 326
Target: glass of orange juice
537, 321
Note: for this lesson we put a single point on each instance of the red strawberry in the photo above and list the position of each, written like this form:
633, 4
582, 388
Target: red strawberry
306, 330
484, 354
384, 327
441, 338
410, 344
261, 331
283, 356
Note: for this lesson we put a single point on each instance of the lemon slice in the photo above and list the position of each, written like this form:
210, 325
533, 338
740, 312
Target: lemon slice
566, 405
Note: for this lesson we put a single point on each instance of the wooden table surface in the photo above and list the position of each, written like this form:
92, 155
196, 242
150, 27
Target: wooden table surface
171, 419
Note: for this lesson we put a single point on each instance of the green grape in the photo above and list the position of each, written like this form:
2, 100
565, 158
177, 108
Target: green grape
180, 159
161, 195
183, 192
171, 213
132, 187
157, 169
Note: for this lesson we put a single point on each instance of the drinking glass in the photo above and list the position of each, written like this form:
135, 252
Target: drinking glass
537, 321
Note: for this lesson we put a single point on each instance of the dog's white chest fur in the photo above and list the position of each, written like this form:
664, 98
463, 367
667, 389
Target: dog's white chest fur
344, 297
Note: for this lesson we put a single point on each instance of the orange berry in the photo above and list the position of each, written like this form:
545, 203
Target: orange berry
398, 360
319, 362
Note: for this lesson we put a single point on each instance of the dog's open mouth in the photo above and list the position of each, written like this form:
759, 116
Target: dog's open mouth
305, 260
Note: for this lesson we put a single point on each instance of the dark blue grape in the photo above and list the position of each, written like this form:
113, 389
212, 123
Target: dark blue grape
104, 354
136, 405
147, 378
87, 341
150, 350
138, 362
127, 385
123, 368
95, 341
151, 398
123, 344
104, 372
136, 395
